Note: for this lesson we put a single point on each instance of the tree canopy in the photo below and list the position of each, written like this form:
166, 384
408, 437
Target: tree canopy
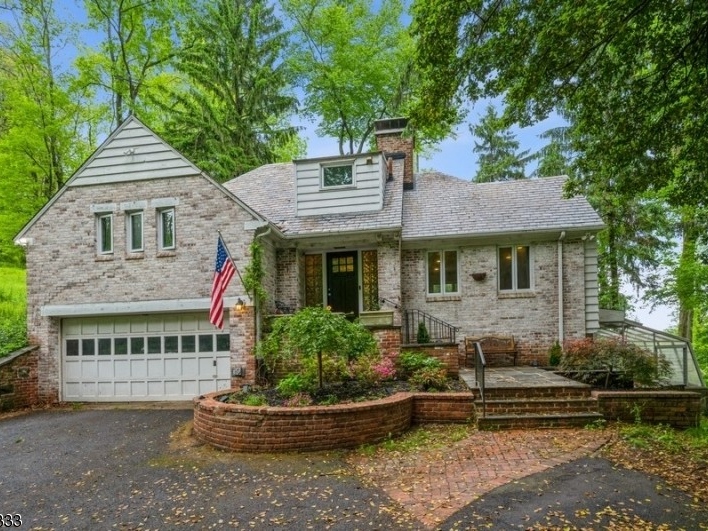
633, 74
499, 158
231, 114
354, 63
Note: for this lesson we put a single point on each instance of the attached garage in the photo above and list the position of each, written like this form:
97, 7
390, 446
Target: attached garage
173, 356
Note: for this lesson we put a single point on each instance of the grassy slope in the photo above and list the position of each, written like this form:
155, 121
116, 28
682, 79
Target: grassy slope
13, 309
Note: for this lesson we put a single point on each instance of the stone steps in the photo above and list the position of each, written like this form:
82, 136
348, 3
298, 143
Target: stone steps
536, 407
562, 420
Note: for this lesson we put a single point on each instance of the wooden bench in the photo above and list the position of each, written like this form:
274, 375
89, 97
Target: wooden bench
495, 348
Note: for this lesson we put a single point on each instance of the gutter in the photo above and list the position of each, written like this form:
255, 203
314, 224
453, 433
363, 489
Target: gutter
561, 330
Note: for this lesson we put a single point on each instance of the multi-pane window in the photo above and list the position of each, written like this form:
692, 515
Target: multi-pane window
166, 229
104, 230
515, 268
314, 293
135, 231
442, 272
338, 175
370, 280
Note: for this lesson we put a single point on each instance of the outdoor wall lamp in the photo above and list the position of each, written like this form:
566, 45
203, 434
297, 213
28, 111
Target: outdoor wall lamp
240, 305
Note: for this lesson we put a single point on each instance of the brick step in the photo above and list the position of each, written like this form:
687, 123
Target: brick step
501, 393
540, 406
510, 422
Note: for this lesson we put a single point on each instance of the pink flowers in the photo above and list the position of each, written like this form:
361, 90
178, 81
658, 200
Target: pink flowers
385, 369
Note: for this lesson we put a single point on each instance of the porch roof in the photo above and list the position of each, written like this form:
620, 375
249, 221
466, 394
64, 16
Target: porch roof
441, 205
270, 190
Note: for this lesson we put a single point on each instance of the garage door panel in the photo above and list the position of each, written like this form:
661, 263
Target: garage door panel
190, 367
106, 389
190, 388
173, 367
121, 368
206, 367
138, 368
173, 388
155, 389
88, 370
156, 357
105, 369
138, 388
155, 369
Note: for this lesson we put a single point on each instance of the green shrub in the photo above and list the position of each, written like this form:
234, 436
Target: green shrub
293, 384
429, 379
254, 400
316, 334
555, 353
423, 335
410, 362
603, 361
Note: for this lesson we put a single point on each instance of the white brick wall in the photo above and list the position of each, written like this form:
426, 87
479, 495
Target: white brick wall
480, 309
64, 268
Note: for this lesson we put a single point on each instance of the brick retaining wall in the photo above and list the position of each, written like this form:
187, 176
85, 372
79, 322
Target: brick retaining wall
242, 428
18, 379
680, 409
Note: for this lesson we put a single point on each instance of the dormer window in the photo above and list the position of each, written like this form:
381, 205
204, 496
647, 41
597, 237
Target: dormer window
338, 174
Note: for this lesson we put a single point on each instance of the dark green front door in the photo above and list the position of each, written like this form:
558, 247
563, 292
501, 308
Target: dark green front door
343, 283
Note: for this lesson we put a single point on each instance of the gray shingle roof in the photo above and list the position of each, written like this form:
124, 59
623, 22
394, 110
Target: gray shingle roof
438, 206
270, 190
441, 205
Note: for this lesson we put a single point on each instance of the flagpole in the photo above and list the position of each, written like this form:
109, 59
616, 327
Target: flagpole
228, 253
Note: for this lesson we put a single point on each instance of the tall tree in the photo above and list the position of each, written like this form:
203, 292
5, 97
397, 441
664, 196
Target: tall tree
45, 119
138, 45
498, 159
634, 76
233, 113
556, 157
354, 62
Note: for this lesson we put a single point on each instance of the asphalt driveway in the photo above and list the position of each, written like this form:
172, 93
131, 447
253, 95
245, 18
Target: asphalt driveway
130, 469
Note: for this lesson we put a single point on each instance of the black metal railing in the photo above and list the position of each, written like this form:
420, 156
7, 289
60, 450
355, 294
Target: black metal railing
421, 327
479, 364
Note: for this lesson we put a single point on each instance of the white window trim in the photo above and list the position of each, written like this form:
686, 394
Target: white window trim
99, 233
443, 284
514, 276
334, 164
160, 238
129, 231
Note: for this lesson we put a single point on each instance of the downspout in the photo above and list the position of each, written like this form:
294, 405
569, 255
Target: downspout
256, 309
561, 330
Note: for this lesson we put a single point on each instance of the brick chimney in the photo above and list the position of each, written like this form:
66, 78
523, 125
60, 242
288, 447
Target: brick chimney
391, 142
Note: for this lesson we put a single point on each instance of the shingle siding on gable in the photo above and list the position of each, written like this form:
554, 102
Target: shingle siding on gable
480, 309
63, 267
134, 153
365, 195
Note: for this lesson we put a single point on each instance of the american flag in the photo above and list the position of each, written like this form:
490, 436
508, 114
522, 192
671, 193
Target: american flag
223, 271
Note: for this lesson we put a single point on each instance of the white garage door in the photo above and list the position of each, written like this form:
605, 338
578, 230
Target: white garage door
153, 357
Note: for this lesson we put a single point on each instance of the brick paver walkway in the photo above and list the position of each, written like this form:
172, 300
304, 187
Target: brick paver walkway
435, 484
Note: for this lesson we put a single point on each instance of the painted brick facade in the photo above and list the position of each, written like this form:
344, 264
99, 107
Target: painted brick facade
63, 267
481, 309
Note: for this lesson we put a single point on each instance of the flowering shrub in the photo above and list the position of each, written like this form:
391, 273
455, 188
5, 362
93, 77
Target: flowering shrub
606, 361
385, 369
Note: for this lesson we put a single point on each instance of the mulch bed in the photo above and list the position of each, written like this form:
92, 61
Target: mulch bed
337, 393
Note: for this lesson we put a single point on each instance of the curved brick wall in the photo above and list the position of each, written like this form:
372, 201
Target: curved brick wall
242, 428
